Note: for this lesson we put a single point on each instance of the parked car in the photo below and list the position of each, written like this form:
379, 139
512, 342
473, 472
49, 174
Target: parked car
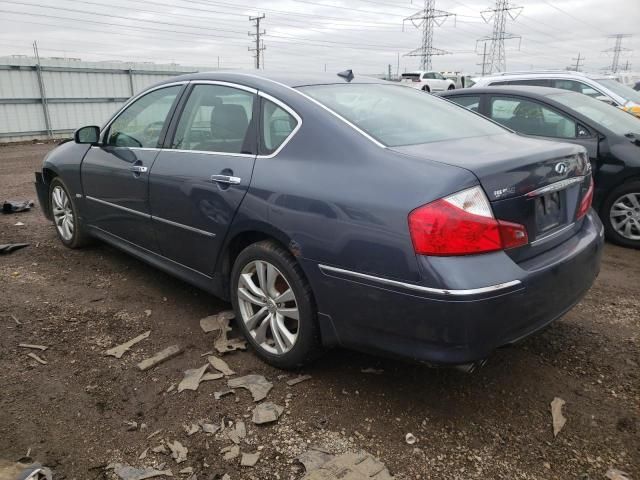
601, 87
328, 216
427, 81
611, 137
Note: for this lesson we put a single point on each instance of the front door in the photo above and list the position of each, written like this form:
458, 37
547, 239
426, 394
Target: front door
115, 174
199, 180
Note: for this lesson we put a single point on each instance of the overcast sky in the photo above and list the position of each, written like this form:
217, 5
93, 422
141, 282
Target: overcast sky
365, 35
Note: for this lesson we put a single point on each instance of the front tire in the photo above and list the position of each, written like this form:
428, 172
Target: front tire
620, 214
274, 306
451, 87
64, 212
426, 88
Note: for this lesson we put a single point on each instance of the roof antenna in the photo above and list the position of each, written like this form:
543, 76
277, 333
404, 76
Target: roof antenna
347, 75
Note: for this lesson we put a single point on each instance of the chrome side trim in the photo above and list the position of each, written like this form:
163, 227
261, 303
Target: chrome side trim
291, 112
552, 235
554, 187
419, 288
119, 207
186, 227
224, 84
205, 152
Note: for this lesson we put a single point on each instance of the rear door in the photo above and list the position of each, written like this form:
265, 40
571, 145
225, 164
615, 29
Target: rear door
115, 174
198, 181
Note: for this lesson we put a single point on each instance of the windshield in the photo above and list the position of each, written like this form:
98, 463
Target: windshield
625, 92
599, 112
396, 115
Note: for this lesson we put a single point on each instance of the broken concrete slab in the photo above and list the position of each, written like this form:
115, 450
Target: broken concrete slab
143, 455
241, 429
266, 412
119, 350
127, 472
220, 365
192, 378
211, 376
300, 379
219, 395
558, 418
615, 474
219, 321
42, 348
249, 459
314, 458
231, 452
352, 466
162, 448
160, 357
186, 471
209, 427
223, 344
178, 451
37, 358
191, 429
256, 384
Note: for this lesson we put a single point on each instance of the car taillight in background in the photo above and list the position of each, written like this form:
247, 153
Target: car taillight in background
585, 203
462, 224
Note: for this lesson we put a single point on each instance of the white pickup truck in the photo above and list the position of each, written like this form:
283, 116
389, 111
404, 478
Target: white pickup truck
427, 81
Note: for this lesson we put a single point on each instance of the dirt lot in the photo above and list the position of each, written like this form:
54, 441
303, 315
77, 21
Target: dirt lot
495, 423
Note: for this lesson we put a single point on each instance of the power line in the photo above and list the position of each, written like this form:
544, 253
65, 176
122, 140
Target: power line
497, 60
578, 65
427, 18
259, 48
617, 49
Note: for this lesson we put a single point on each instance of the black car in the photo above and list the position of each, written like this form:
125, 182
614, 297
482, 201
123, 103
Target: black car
611, 137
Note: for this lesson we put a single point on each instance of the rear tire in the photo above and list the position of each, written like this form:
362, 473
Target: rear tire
620, 213
65, 216
426, 89
274, 306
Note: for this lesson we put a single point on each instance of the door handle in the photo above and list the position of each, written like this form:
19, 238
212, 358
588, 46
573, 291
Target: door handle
138, 169
226, 179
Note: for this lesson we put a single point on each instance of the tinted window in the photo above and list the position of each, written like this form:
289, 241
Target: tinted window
215, 119
536, 82
429, 76
472, 102
576, 86
531, 118
411, 76
396, 115
277, 125
140, 124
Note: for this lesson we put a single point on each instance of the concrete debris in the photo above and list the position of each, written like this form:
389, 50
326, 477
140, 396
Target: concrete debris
37, 358
615, 474
16, 206
256, 384
354, 466
119, 350
18, 224
24, 468
192, 378
160, 357
219, 322
410, 438
556, 414
314, 458
186, 471
171, 388
233, 436
241, 429
178, 451
231, 452
266, 412
143, 455
209, 427
131, 426
127, 472
147, 313
34, 347
374, 371
301, 378
191, 429
223, 344
219, 395
226, 476
162, 448
249, 459
220, 365
153, 434
211, 376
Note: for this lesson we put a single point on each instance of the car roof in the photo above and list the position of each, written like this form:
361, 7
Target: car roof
290, 79
508, 90
545, 74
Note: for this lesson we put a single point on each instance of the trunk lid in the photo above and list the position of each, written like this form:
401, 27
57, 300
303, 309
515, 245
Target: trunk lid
532, 182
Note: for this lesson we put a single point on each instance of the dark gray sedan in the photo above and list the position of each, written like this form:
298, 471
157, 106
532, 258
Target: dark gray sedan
336, 211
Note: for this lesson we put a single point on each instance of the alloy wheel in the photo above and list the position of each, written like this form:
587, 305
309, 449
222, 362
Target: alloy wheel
625, 216
62, 213
268, 307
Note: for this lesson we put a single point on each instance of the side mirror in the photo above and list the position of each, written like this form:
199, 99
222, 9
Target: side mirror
90, 134
605, 99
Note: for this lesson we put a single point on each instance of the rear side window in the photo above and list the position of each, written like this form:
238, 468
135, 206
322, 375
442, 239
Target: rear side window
531, 118
216, 118
535, 82
276, 126
472, 102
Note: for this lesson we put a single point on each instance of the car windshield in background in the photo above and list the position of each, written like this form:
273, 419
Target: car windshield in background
411, 76
625, 92
601, 113
397, 116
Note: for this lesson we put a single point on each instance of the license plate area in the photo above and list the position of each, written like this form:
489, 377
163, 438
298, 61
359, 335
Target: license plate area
549, 211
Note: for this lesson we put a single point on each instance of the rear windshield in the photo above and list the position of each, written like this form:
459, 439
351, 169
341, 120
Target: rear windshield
397, 116
411, 76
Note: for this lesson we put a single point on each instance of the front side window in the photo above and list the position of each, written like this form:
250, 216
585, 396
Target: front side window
576, 86
429, 76
531, 118
396, 115
437, 76
277, 125
472, 102
216, 118
140, 124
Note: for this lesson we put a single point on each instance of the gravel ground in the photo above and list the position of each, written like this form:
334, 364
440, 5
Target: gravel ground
496, 423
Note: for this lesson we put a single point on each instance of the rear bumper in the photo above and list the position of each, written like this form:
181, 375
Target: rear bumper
462, 325
42, 189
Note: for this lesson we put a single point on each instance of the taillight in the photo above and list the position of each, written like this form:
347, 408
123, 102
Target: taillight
585, 204
462, 224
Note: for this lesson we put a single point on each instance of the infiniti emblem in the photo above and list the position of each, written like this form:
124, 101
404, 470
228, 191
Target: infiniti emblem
561, 168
